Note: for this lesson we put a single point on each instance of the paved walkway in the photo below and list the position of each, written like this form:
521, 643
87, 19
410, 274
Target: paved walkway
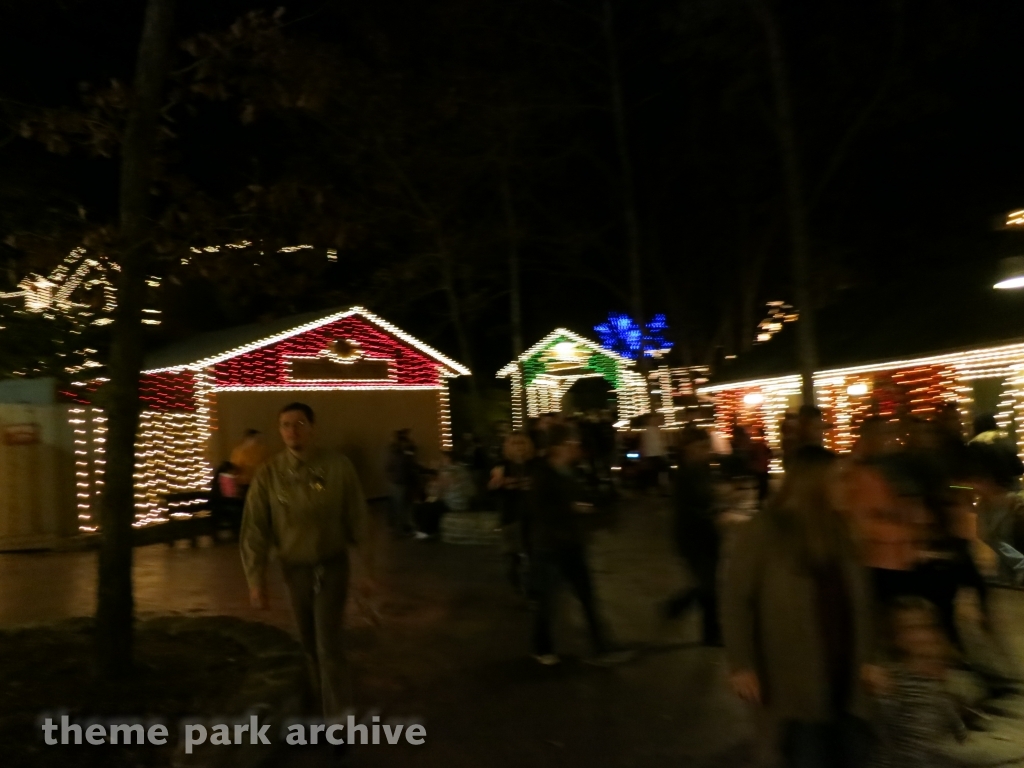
452, 650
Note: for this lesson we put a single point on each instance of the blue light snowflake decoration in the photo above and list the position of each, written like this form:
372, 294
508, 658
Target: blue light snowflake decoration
622, 334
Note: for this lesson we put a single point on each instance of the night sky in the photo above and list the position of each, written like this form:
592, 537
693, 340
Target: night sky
455, 94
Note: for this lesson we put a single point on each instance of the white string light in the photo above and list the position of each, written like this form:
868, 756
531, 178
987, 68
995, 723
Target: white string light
172, 444
444, 415
570, 351
456, 368
928, 381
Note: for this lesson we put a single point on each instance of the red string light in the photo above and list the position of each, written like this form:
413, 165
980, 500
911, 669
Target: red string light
270, 366
168, 391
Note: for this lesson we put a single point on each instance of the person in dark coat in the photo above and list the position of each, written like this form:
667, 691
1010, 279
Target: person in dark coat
553, 517
402, 472
797, 619
695, 532
510, 481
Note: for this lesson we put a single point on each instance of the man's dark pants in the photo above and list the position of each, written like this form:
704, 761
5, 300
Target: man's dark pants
699, 546
566, 562
318, 594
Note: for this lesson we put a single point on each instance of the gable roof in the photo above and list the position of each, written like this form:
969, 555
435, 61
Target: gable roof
211, 348
1007, 355
558, 333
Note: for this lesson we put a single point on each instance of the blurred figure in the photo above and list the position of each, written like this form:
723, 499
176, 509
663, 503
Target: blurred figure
598, 440
1001, 453
760, 465
402, 473
739, 460
945, 565
606, 442
557, 545
886, 514
913, 538
652, 452
1000, 525
496, 445
955, 463
789, 437
916, 711
226, 499
796, 616
1000, 507
536, 431
949, 434
811, 426
451, 489
474, 458
695, 531
248, 456
307, 504
510, 480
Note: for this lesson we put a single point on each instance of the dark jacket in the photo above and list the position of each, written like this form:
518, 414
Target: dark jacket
400, 466
694, 510
552, 523
512, 501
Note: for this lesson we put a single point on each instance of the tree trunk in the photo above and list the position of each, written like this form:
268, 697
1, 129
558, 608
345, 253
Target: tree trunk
752, 269
629, 213
451, 290
676, 307
515, 295
115, 605
796, 206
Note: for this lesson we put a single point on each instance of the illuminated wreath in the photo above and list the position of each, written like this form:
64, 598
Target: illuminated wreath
344, 351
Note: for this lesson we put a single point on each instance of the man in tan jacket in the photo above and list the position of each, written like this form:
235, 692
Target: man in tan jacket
307, 503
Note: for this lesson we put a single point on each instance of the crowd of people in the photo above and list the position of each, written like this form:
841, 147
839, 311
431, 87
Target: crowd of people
839, 598
479, 475
549, 483
836, 602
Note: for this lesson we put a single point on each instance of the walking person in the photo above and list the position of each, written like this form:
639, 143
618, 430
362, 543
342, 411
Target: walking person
995, 470
760, 465
557, 543
789, 437
886, 512
402, 473
944, 562
740, 455
811, 426
796, 617
307, 503
511, 480
695, 532
653, 452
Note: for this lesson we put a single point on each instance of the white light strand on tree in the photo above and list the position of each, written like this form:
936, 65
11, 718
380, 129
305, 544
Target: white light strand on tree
779, 313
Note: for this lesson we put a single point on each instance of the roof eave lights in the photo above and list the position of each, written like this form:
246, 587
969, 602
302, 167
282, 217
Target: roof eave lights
455, 369
1011, 271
